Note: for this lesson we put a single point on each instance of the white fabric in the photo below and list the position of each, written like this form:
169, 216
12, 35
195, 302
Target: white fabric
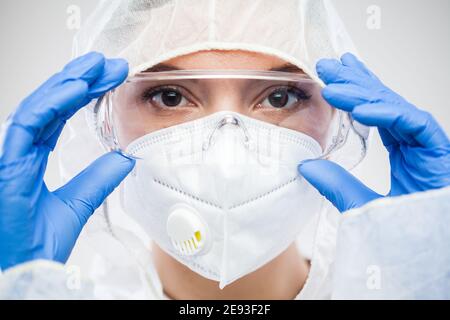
298, 31
395, 249
252, 218
147, 32
405, 238
44, 280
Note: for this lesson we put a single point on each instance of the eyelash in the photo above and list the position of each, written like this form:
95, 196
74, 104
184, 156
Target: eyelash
152, 92
301, 94
148, 94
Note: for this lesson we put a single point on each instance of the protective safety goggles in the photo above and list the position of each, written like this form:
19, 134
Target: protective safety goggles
149, 102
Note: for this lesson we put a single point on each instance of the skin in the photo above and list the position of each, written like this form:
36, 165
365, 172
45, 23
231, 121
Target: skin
206, 97
45, 225
281, 278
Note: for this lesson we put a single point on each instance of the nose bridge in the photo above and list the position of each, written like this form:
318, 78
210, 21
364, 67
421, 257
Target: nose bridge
226, 95
228, 121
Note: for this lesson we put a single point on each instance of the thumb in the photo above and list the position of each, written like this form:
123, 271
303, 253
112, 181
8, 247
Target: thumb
87, 191
342, 189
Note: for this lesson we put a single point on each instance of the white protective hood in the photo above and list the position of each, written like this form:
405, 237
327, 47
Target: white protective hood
147, 32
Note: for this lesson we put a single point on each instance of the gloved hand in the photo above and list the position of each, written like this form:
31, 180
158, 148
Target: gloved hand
419, 149
34, 222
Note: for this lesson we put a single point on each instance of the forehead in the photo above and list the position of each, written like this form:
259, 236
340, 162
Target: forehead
223, 60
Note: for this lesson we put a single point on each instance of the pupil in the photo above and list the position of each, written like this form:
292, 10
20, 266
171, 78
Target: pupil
171, 98
279, 99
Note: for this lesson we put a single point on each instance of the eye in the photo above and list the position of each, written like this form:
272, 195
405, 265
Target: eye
166, 98
285, 98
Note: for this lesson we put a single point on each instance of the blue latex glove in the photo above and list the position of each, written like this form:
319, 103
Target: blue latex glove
34, 222
419, 149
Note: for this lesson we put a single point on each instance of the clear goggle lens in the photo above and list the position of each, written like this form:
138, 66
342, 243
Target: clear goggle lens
149, 102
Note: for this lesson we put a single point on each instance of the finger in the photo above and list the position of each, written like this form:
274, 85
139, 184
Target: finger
52, 134
378, 115
114, 73
44, 117
342, 189
27, 126
39, 108
412, 125
349, 70
86, 68
345, 96
87, 191
350, 60
387, 138
331, 71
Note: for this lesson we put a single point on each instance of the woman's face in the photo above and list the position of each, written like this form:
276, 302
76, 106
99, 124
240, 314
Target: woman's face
165, 104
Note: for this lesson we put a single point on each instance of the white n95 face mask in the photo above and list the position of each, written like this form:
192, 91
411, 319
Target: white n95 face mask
222, 194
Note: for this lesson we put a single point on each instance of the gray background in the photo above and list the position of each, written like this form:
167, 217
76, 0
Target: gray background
410, 52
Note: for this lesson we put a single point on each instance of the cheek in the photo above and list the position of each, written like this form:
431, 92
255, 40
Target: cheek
314, 123
321, 127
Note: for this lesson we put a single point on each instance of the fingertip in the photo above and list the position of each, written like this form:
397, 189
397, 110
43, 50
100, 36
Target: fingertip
126, 156
121, 61
347, 54
300, 167
117, 66
327, 69
89, 59
309, 168
336, 184
120, 166
304, 162
321, 175
95, 56
345, 96
120, 156
348, 57
328, 93
323, 65
111, 169
87, 68
352, 61
115, 73
124, 161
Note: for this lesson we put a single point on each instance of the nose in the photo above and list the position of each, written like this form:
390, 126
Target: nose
226, 95
228, 120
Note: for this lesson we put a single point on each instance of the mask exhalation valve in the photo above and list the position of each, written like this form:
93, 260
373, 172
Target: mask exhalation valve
187, 231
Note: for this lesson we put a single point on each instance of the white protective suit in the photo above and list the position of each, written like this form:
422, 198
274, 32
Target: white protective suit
378, 251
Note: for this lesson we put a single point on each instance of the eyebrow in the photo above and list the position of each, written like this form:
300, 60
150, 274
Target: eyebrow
161, 67
288, 67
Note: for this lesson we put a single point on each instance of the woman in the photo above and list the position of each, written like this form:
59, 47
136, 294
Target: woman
219, 230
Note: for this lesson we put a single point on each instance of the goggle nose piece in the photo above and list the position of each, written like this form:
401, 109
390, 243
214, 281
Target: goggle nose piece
227, 120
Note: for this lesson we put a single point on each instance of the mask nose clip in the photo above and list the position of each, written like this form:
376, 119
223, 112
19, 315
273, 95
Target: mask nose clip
228, 120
